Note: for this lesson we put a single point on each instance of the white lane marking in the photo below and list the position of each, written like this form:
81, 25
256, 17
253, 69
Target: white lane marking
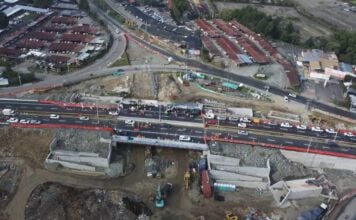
345, 149
306, 144
54, 108
80, 122
272, 140
198, 132
289, 142
62, 120
38, 107
45, 119
325, 147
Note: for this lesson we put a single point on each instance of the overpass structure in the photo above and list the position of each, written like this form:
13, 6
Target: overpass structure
160, 143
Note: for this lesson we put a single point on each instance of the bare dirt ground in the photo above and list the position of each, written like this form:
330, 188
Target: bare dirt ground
307, 27
330, 11
25, 143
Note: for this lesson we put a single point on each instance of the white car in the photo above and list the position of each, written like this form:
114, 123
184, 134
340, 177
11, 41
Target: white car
84, 118
301, 127
232, 118
330, 131
271, 123
113, 113
242, 132
221, 117
349, 134
25, 121
209, 116
245, 120
130, 122
35, 122
54, 116
241, 125
286, 125
317, 129
292, 95
13, 120
184, 138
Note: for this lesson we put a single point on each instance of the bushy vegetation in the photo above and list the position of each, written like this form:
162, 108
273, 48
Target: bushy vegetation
14, 77
343, 43
179, 7
267, 2
276, 28
40, 3
123, 61
105, 7
4, 21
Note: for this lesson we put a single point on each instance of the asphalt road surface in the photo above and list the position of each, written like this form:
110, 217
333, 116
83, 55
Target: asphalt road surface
229, 130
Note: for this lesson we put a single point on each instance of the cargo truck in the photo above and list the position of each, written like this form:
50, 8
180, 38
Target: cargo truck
8, 112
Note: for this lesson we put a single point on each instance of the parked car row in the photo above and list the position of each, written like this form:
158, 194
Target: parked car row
242, 123
24, 121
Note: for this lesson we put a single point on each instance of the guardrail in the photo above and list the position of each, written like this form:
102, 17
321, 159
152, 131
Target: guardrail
282, 147
84, 127
77, 105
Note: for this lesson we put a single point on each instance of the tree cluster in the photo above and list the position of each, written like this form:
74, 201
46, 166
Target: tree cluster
40, 3
4, 21
342, 42
273, 27
178, 8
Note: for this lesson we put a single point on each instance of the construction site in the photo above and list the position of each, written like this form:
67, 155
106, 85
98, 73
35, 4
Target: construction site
90, 174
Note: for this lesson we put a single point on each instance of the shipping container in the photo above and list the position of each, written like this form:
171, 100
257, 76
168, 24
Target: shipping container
206, 184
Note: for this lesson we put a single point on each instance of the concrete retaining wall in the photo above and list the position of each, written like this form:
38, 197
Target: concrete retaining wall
223, 175
321, 161
225, 161
72, 165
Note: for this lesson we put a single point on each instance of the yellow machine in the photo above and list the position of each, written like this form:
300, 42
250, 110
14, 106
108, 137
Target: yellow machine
230, 216
186, 180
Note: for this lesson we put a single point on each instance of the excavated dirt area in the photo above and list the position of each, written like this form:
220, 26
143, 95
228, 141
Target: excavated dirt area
31, 144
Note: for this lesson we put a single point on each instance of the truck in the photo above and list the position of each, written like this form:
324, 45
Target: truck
8, 112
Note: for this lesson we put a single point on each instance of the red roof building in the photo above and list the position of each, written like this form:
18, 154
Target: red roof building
76, 38
65, 47
84, 29
210, 46
207, 28
43, 36
29, 44
58, 59
252, 50
222, 25
9, 52
64, 20
229, 47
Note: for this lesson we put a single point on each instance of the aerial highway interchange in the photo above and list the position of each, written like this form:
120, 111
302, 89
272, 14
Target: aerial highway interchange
154, 121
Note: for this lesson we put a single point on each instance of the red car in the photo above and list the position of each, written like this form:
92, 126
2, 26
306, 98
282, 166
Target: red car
211, 122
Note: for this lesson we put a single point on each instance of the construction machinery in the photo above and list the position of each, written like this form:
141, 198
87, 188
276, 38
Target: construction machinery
186, 180
230, 216
162, 194
159, 199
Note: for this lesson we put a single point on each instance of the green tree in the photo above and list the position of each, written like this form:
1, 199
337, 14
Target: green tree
178, 8
4, 21
83, 5
43, 3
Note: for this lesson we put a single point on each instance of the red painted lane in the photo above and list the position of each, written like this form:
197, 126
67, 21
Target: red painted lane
77, 105
282, 147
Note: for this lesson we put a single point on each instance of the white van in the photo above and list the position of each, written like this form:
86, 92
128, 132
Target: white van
184, 138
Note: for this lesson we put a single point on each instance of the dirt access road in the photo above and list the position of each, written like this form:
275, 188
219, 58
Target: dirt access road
34, 175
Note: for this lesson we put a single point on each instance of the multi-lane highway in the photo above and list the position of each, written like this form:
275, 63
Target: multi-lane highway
152, 121
231, 76
97, 69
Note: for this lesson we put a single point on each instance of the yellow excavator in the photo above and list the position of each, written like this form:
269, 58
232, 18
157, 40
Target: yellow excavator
230, 216
186, 180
